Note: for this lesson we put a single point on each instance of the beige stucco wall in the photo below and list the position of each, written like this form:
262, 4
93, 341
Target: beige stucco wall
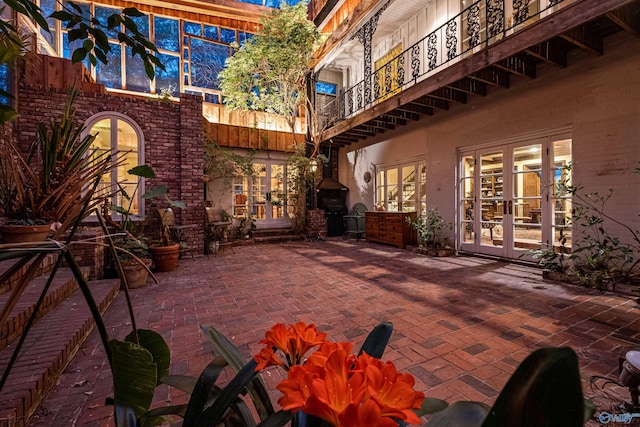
598, 97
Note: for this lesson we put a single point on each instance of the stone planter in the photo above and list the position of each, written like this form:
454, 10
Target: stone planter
24, 233
165, 258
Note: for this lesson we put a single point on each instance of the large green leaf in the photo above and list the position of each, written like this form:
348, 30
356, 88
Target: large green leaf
278, 419
200, 394
377, 340
158, 191
545, 390
462, 414
143, 171
134, 376
154, 344
431, 405
181, 382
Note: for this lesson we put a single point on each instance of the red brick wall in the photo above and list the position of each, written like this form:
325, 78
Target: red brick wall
172, 136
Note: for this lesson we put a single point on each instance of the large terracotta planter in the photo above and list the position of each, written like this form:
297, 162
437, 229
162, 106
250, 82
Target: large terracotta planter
24, 233
135, 273
165, 258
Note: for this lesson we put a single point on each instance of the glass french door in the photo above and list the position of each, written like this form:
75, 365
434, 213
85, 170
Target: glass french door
508, 204
271, 195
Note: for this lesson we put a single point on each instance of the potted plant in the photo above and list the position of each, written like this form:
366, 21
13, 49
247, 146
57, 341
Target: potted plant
166, 251
429, 228
47, 185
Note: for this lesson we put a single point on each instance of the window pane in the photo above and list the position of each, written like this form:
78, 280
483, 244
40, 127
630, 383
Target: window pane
102, 144
110, 74
137, 79
4, 83
167, 34
102, 13
211, 32
128, 143
227, 35
169, 78
48, 7
143, 24
207, 60
192, 28
324, 87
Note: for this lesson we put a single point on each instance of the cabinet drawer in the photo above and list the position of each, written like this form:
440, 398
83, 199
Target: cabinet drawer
393, 217
393, 238
373, 234
392, 227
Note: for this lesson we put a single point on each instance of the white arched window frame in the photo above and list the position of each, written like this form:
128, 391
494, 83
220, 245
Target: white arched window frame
120, 134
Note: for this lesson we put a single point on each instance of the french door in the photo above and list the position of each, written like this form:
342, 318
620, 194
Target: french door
508, 203
272, 198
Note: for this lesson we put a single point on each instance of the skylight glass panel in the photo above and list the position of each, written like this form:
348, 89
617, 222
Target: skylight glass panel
167, 33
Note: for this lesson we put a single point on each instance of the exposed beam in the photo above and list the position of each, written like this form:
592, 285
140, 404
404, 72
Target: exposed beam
449, 94
377, 124
585, 38
548, 52
384, 123
470, 86
517, 64
391, 118
416, 108
361, 132
403, 114
570, 16
492, 76
440, 104
627, 18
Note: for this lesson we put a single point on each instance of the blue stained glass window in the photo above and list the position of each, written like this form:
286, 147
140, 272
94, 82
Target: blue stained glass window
192, 28
85, 9
227, 35
324, 87
193, 92
4, 83
102, 13
170, 76
211, 32
273, 3
253, 1
68, 48
207, 60
186, 54
243, 37
137, 79
110, 74
186, 67
167, 33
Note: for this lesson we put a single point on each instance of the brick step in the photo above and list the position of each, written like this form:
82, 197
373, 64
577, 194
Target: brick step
50, 345
63, 285
10, 282
264, 232
278, 238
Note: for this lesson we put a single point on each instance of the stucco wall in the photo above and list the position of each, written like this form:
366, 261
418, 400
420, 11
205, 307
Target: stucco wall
596, 96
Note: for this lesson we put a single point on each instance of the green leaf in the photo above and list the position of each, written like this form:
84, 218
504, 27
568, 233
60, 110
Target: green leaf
278, 419
183, 383
377, 340
87, 45
7, 114
545, 390
132, 11
62, 15
200, 394
158, 191
78, 55
462, 414
156, 345
143, 171
134, 376
431, 405
148, 69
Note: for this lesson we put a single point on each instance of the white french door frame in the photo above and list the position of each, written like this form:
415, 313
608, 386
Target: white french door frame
263, 194
497, 221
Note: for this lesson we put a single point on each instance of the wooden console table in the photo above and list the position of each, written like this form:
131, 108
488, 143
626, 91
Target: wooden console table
390, 227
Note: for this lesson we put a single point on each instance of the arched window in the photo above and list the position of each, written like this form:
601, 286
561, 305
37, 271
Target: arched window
119, 134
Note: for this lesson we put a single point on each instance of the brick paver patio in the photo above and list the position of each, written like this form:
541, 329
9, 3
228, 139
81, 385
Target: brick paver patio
461, 325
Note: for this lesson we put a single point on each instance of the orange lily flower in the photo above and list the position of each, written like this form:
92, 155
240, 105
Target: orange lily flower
294, 341
267, 357
367, 415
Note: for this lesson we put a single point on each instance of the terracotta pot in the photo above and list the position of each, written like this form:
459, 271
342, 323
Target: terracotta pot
165, 258
135, 274
24, 233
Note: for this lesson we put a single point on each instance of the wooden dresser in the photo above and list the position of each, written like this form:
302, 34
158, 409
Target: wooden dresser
391, 228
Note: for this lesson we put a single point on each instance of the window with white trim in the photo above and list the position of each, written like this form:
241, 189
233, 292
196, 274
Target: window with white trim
402, 187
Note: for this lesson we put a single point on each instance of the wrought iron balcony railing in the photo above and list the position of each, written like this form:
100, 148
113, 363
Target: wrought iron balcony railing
474, 29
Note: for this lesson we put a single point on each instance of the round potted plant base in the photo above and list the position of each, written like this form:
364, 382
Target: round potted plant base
165, 258
135, 274
24, 233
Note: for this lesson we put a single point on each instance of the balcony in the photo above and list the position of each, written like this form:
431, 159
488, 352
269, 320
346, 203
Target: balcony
483, 49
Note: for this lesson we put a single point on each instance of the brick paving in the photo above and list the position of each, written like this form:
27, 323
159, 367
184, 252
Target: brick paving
461, 325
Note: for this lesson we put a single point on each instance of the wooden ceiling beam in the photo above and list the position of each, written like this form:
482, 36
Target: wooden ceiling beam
585, 38
627, 18
492, 76
403, 114
390, 118
519, 65
470, 86
413, 107
448, 94
548, 52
